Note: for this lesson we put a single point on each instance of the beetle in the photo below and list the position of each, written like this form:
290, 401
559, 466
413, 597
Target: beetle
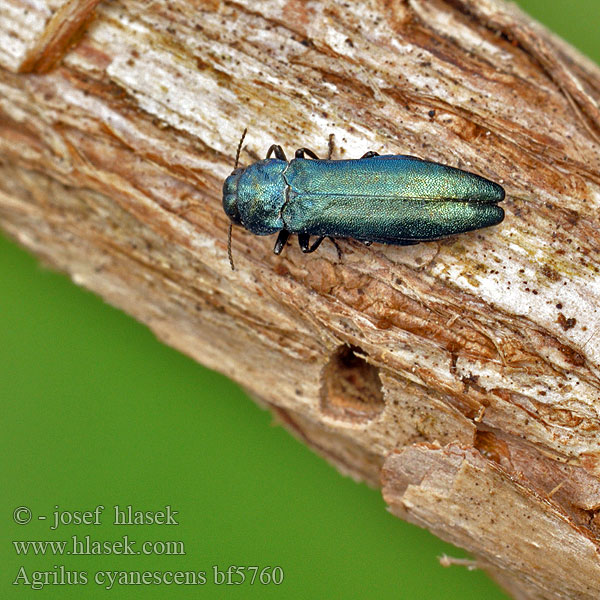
388, 199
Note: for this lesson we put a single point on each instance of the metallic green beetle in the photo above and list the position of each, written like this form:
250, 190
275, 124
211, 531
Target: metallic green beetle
389, 199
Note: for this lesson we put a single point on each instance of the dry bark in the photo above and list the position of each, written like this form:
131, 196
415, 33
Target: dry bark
463, 375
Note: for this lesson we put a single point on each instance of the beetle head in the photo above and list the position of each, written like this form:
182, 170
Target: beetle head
230, 198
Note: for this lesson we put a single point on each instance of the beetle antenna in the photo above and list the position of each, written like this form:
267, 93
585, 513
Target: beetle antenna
237, 160
239, 149
229, 254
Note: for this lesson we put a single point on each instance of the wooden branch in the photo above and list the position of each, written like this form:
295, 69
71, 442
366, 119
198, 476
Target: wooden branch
465, 374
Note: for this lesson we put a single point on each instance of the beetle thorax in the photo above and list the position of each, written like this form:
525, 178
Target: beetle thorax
260, 194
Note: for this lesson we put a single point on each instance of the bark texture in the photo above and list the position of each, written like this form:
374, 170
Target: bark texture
462, 376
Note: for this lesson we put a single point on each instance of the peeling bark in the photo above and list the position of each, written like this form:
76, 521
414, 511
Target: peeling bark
462, 375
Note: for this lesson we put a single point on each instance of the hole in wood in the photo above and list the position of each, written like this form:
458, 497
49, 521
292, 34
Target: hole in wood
351, 387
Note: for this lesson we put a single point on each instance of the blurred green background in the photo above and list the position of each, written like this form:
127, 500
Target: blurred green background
96, 411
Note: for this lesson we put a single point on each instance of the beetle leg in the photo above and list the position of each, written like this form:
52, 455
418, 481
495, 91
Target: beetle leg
304, 241
277, 150
302, 151
339, 252
330, 146
370, 154
282, 238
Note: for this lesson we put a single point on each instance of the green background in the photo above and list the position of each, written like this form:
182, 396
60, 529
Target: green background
96, 411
